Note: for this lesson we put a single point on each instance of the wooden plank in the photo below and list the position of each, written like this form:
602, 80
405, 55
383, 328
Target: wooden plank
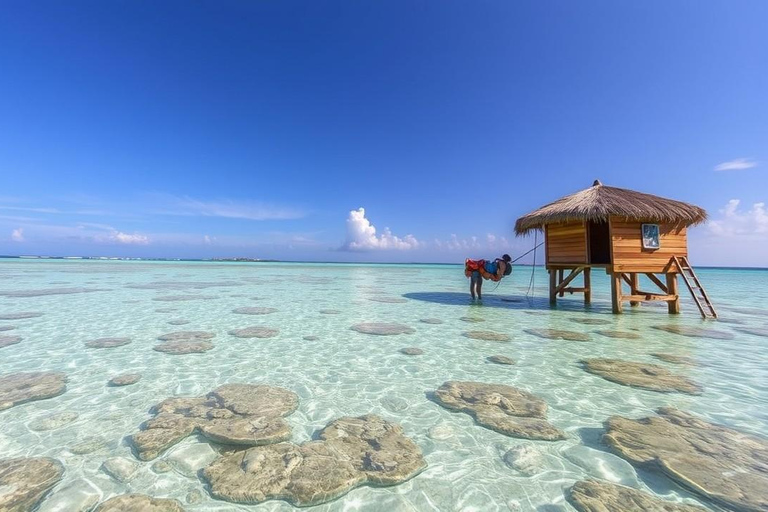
575, 272
655, 280
648, 298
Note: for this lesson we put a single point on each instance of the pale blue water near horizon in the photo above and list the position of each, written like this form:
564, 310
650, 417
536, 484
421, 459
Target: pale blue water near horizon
343, 372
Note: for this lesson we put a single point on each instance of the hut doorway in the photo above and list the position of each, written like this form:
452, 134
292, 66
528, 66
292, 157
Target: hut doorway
599, 237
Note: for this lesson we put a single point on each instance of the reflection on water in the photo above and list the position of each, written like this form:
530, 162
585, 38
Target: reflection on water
300, 338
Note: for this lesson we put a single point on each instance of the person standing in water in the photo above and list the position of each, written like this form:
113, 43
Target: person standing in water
477, 270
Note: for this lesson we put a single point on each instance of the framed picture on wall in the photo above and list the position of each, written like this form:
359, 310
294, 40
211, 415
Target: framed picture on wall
650, 234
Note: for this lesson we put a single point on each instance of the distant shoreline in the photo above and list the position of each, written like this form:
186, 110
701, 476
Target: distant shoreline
256, 260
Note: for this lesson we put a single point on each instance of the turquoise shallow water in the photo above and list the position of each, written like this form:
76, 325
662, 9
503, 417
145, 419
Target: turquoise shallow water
343, 372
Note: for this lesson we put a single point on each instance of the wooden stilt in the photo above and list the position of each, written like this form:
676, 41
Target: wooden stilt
616, 292
674, 305
552, 287
587, 285
634, 285
560, 277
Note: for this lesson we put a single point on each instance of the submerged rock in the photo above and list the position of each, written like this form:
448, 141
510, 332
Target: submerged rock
505, 409
254, 311
125, 379
621, 335
349, 452
24, 482
754, 331
412, 351
107, 342
194, 497
388, 300
48, 291
78, 496
88, 445
640, 375
20, 316
182, 285
178, 348
329, 312
559, 334
188, 459
432, 321
120, 468
254, 332
717, 462
178, 321
183, 298
4, 328
7, 341
382, 329
486, 335
19, 388
602, 465
695, 332
525, 459
471, 319
441, 432
591, 321
241, 414
139, 503
310, 338
53, 421
162, 466
594, 496
187, 336
499, 359
674, 359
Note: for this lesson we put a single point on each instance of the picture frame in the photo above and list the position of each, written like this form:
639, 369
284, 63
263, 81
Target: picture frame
650, 236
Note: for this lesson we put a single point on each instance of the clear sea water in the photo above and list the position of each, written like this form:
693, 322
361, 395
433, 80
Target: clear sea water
344, 372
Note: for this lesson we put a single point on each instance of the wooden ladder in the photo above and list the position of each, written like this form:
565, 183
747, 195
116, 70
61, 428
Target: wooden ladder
698, 292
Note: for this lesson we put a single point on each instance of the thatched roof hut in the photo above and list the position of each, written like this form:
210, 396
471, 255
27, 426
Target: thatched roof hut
598, 203
626, 233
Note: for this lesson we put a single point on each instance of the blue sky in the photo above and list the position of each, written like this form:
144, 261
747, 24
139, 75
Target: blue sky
259, 129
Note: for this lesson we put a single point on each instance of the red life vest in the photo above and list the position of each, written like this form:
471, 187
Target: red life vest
478, 266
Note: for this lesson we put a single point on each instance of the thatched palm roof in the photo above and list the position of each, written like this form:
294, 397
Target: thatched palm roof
598, 203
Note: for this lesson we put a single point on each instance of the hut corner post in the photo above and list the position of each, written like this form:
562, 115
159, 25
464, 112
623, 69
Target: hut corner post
672, 290
616, 297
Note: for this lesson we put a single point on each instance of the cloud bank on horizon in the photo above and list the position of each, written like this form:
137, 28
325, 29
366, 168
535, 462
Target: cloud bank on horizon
736, 222
361, 236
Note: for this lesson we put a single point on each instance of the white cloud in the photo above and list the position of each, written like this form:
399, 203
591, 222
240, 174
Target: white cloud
207, 240
125, 238
17, 235
738, 222
226, 208
736, 165
361, 236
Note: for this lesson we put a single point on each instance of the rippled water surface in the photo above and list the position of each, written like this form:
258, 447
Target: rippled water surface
340, 372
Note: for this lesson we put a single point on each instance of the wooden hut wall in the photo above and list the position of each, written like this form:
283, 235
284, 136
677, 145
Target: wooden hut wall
566, 243
627, 247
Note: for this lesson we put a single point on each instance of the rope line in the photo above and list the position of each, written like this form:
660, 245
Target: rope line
532, 283
536, 245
